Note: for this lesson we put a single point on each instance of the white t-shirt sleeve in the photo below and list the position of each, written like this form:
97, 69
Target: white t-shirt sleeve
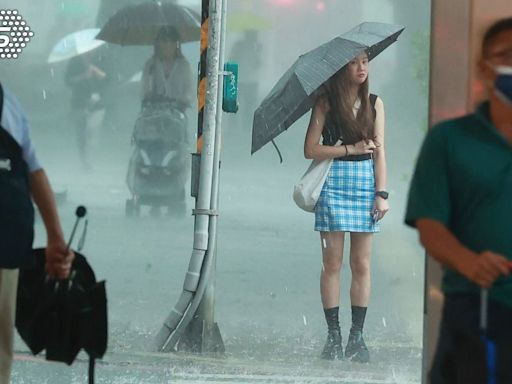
15, 122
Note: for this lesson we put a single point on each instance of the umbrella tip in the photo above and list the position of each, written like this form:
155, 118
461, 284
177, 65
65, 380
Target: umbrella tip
80, 211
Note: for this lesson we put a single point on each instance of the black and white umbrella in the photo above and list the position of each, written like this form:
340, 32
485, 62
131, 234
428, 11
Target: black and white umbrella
292, 97
139, 24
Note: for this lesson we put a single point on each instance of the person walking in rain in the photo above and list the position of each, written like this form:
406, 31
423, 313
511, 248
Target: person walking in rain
13, 125
167, 74
86, 81
459, 201
353, 198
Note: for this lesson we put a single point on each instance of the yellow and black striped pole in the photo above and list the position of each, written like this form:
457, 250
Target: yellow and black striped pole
205, 17
191, 324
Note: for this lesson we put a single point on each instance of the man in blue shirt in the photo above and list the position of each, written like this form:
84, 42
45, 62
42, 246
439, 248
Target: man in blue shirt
58, 258
460, 202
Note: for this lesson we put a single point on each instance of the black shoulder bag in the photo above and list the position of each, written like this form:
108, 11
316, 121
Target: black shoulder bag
16, 208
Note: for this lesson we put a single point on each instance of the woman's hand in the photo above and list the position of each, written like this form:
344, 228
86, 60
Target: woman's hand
362, 147
380, 208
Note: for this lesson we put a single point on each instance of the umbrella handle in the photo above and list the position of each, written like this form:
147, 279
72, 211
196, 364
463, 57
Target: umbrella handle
490, 346
82, 238
80, 212
68, 280
484, 296
72, 234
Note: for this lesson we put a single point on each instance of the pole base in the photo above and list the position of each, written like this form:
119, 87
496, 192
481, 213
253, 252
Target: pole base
201, 337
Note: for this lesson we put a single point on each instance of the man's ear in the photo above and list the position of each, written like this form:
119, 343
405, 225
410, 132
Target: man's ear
482, 66
485, 72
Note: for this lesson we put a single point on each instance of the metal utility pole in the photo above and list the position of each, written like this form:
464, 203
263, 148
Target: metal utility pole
190, 325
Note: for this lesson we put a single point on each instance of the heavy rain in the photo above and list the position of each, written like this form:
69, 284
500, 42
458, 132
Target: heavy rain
268, 259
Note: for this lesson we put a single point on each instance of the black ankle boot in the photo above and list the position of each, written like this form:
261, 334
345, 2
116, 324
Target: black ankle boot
333, 349
356, 349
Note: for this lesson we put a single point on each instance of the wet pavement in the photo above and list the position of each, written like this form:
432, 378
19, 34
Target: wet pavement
267, 284
117, 368
267, 300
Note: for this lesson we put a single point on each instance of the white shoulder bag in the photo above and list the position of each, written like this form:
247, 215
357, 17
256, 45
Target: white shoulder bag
307, 191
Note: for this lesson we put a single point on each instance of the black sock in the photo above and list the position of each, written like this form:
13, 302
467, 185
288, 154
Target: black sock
358, 316
331, 316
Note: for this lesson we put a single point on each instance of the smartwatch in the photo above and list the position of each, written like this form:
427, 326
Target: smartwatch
383, 194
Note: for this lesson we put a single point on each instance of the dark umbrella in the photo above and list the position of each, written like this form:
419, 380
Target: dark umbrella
139, 24
292, 97
489, 345
62, 316
476, 355
473, 360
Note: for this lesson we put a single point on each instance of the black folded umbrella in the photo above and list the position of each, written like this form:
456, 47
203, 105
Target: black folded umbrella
62, 316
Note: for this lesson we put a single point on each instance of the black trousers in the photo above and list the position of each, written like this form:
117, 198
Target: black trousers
461, 353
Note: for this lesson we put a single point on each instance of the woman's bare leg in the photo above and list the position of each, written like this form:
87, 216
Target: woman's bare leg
332, 257
360, 256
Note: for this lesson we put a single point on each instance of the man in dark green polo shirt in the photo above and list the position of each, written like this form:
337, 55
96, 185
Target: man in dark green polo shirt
460, 201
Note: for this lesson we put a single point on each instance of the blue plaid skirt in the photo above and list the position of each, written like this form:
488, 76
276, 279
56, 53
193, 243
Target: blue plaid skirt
347, 198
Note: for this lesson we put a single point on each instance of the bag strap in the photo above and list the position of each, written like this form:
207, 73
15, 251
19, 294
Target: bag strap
373, 99
6, 140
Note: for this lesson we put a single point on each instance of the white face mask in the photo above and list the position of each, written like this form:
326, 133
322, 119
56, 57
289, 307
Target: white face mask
503, 82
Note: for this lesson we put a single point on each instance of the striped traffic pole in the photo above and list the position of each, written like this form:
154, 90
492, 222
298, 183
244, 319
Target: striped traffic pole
190, 325
205, 17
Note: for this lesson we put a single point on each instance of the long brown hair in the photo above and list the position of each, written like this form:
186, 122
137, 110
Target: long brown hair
337, 92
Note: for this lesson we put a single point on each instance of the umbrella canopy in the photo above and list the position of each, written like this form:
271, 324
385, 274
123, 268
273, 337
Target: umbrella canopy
292, 97
62, 316
75, 44
139, 24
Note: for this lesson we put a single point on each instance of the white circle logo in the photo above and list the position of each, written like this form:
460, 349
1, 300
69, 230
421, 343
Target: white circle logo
14, 33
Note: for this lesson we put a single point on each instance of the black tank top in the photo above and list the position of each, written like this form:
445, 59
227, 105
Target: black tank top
331, 133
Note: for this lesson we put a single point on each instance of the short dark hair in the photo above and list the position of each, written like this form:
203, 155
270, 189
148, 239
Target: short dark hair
494, 30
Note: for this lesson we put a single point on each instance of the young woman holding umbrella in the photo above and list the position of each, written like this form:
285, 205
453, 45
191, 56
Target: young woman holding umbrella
353, 198
167, 74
